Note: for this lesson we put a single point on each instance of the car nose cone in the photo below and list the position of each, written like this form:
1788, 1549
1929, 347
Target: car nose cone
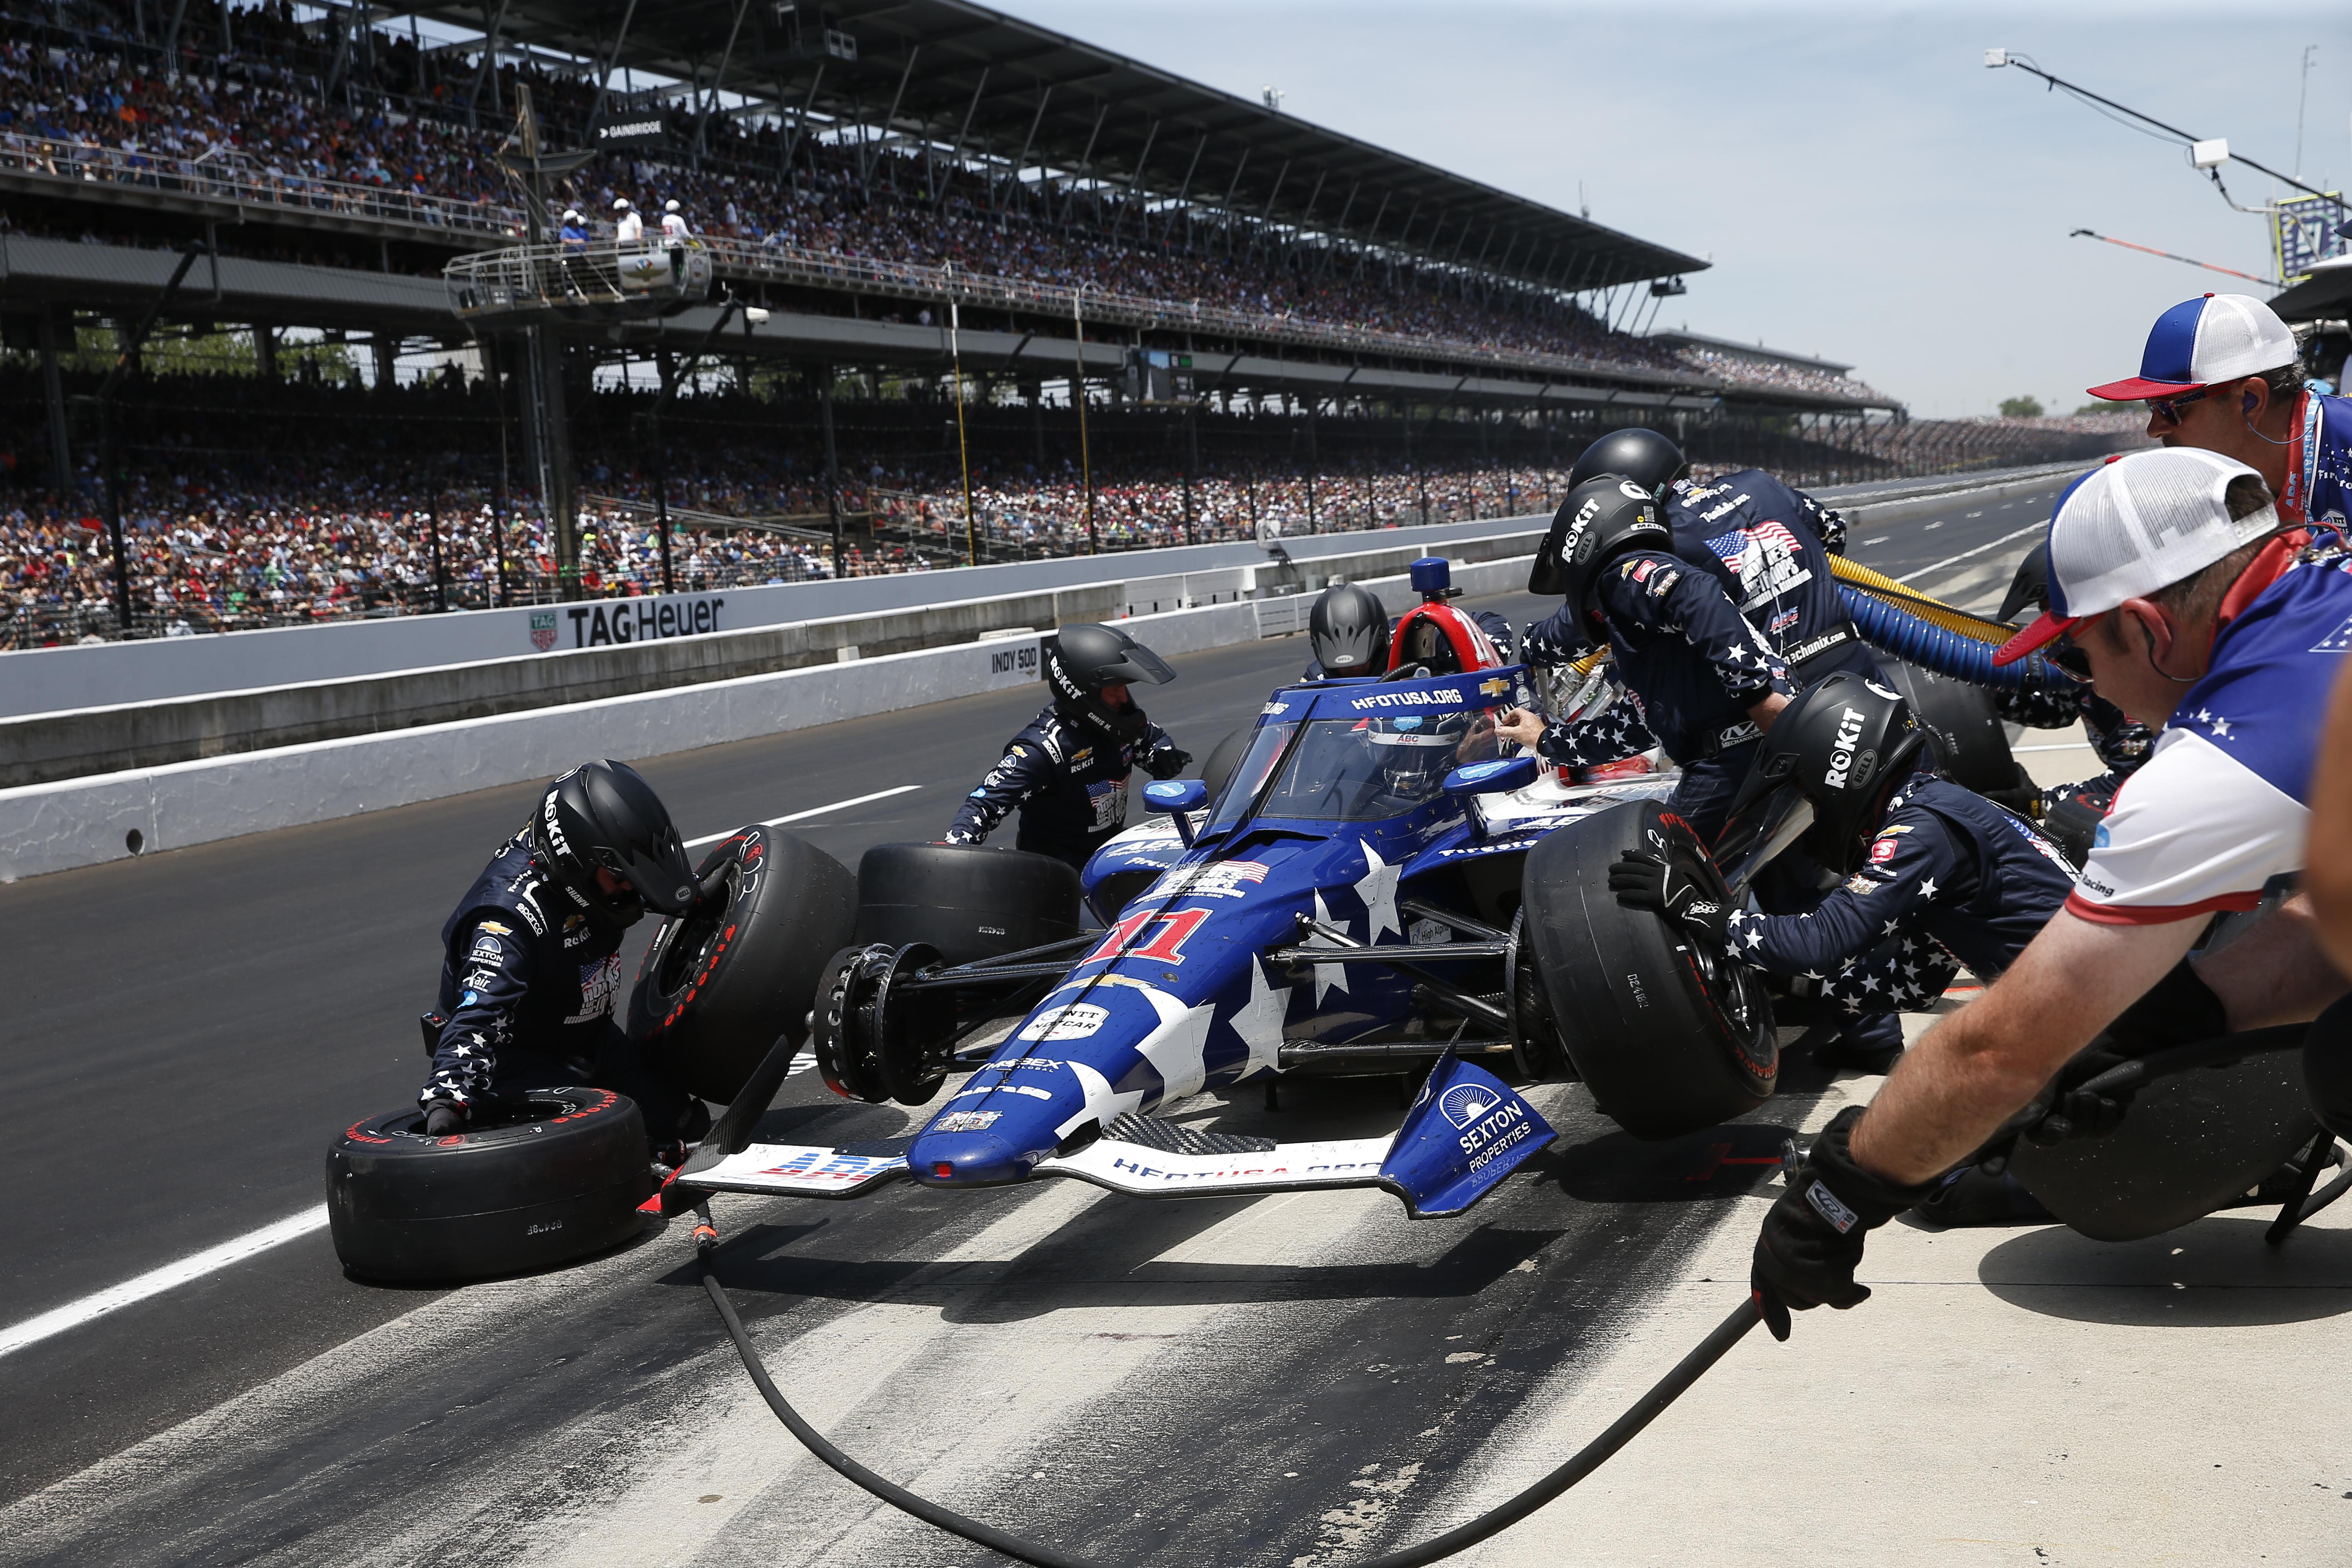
966, 1160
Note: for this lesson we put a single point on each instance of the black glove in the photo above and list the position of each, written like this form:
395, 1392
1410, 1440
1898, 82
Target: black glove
1813, 1236
1168, 764
441, 1119
2177, 1009
1644, 882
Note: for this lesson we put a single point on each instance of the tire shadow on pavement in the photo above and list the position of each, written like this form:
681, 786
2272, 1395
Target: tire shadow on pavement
1719, 1162
2216, 1273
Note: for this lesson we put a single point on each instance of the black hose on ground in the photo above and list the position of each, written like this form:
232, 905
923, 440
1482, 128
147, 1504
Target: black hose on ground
1495, 1520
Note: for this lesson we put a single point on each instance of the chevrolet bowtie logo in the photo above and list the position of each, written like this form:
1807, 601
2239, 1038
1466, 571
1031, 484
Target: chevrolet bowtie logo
1496, 687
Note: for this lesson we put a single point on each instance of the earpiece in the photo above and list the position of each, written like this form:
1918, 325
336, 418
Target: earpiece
2251, 399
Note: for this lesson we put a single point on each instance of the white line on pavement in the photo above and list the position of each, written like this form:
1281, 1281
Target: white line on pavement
154, 1282
812, 811
1963, 556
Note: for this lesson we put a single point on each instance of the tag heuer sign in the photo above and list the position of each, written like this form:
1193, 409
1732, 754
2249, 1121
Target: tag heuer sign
644, 132
543, 629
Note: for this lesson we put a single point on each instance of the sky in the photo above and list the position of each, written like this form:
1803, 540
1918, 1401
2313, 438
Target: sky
1867, 189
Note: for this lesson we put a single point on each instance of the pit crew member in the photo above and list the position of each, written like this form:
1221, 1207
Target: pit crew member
2166, 572
1068, 772
1700, 681
1350, 631
2119, 741
1936, 876
2221, 372
530, 957
1768, 544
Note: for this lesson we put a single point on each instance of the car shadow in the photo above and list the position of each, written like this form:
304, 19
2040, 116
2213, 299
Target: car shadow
1722, 1162
2215, 1273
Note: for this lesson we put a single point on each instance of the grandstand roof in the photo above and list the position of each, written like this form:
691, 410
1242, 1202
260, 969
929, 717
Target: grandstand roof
1752, 350
969, 78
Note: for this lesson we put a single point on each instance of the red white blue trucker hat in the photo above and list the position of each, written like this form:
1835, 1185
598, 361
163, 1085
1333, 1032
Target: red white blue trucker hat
2216, 337
2140, 523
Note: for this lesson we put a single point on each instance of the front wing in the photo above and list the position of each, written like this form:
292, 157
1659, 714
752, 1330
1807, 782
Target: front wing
1465, 1133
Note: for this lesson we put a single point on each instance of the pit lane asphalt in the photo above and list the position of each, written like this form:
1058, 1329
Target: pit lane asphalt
191, 1029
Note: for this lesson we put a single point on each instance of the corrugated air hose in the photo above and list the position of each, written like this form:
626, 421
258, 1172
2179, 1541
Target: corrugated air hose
1934, 634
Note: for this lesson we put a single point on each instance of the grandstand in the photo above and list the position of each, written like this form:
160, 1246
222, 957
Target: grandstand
1175, 314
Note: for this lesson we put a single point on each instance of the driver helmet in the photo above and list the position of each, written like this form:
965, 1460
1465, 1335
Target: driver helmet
1348, 629
1644, 456
604, 816
1847, 743
1415, 750
1083, 659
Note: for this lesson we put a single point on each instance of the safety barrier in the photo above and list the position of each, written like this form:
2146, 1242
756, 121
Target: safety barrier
112, 816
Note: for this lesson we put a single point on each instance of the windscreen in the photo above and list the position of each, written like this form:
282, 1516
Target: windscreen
1265, 751
1360, 770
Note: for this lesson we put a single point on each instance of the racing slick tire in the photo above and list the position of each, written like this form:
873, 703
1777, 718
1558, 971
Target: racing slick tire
1668, 1036
1219, 769
723, 981
1964, 729
558, 1178
964, 900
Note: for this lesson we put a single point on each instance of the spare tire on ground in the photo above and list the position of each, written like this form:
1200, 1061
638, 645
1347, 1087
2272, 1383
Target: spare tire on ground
1669, 1037
558, 1176
2190, 1144
965, 901
723, 981
1964, 728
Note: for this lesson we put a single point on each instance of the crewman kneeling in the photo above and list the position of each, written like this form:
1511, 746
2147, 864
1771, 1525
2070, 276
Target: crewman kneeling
1934, 876
531, 958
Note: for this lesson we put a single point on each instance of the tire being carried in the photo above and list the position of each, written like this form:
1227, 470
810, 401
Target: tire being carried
1669, 1038
724, 980
558, 1177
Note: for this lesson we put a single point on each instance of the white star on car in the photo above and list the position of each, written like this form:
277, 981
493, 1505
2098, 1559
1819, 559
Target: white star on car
1328, 977
1378, 890
1176, 1048
1259, 1021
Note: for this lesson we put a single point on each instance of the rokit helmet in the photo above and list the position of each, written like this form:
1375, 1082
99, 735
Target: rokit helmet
1644, 456
1081, 660
1348, 629
1845, 743
1600, 520
604, 816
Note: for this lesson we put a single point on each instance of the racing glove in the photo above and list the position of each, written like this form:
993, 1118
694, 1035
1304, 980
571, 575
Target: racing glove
1813, 1236
1168, 764
1645, 882
441, 1119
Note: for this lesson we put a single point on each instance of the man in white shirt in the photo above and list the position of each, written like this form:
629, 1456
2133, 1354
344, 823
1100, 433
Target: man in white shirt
628, 228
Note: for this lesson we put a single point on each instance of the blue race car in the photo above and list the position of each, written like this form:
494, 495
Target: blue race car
1376, 888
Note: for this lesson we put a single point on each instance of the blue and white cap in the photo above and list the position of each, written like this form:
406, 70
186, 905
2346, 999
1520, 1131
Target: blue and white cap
2141, 522
2216, 337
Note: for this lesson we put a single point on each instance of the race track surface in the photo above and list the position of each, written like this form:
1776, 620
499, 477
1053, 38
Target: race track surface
1280, 1379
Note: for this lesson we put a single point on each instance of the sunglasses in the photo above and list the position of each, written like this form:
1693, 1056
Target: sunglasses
2169, 408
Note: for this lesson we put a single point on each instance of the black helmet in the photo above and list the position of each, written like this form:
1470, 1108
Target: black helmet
1349, 628
1600, 520
603, 814
1644, 456
1846, 743
2029, 589
1081, 660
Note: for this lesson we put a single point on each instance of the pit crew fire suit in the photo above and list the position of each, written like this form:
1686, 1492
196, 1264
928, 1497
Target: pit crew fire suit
1950, 879
528, 985
1070, 788
1691, 667
1770, 546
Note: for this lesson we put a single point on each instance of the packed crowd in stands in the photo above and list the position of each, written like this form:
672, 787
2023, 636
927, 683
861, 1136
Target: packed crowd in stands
248, 97
1759, 369
355, 545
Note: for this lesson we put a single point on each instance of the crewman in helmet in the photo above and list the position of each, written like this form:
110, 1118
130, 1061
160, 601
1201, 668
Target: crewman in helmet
1934, 876
1768, 544
531, 958
1067, 772
1702, 683
1352, 633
